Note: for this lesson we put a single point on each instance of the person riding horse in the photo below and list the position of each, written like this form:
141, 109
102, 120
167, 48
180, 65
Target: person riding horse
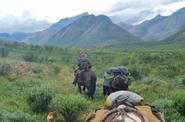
83, 64
85, 77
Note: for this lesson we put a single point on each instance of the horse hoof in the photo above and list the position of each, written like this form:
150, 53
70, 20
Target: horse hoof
74, 84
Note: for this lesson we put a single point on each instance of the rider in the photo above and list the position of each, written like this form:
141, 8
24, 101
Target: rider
131, 99
83, 64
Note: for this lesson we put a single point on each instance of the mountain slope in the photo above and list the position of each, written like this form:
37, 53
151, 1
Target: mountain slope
91, 31
159, 27
18, 37
42, 36
5, 36
177, 37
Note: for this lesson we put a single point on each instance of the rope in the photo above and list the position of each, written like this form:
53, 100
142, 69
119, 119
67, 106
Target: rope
123, 112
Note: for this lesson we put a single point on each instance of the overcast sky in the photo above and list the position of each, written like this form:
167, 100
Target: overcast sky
33, 15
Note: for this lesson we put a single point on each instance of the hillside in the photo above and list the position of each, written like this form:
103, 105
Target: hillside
91, 31
177, 37
159, 27
17, 37
50, 70
5, 36
42, 36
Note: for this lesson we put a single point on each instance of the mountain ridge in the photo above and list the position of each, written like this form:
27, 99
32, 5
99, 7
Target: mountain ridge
159, 27
91, 30
17, 36
42, 36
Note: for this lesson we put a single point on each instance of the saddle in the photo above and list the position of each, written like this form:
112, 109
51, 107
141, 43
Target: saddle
119, 82
123, 114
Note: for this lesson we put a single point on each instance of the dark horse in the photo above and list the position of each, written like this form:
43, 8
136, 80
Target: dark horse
117, 84
87, 79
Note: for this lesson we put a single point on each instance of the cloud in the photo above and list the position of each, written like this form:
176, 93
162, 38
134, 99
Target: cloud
136, 11
131, 16
25, 23
135, 4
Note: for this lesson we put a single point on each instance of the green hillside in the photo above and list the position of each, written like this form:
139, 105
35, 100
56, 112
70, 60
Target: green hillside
179, 37
158, 75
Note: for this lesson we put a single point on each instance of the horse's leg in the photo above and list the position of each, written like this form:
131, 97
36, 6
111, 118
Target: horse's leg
88, 92
84, 88
79, 88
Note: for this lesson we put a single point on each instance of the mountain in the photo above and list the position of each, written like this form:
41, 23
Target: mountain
126, 26
177, 37
91, 31
17, 36
5, 36
159, 27
42, 36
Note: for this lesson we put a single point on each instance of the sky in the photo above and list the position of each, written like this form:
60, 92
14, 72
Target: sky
35, 15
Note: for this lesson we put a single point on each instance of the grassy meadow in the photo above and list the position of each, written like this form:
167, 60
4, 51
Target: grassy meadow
156, 74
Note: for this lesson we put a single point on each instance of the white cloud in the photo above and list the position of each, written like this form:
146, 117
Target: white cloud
137, 11
14, 14
18, 13
10, 23
53, 10
168, 9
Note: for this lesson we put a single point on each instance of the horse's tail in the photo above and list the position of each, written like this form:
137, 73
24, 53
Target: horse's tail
92, 87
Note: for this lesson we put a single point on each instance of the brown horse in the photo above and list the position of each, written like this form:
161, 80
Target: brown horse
87, 79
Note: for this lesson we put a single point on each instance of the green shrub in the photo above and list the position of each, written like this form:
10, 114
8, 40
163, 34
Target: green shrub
166, 106
5, 69
30, 57
154, 81
39, 98
136, 73
46, 60
6, 116
163, 103
183, 81
70, 106
56, 69
179, 101
4, 52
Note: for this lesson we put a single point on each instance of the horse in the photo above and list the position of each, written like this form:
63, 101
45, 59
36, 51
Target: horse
123, 114
118, 83
87, 79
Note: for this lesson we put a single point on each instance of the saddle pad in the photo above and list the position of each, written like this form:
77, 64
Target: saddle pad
100, 114
147, 112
